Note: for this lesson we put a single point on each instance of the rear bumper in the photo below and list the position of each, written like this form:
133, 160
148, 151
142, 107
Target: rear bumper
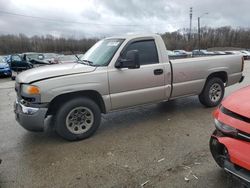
32, 119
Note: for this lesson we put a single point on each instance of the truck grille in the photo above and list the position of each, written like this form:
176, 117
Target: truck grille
243, 136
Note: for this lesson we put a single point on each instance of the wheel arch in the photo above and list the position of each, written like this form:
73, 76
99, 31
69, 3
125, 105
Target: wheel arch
220, 74
60, 99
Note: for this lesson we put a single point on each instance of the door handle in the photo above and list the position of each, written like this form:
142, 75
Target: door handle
158, 71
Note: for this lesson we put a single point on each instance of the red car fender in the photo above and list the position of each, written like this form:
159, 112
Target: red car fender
239, 151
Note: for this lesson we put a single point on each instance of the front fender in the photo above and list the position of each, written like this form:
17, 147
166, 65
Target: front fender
93, 81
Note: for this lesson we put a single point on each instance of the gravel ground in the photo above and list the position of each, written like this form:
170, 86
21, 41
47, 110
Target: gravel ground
150, 146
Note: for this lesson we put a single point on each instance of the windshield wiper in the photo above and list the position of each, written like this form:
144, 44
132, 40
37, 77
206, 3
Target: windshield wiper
84, 61
87, 62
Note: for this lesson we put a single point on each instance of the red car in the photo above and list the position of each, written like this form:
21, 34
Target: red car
230, 142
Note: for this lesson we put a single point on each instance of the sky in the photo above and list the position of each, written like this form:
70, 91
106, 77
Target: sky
102, 18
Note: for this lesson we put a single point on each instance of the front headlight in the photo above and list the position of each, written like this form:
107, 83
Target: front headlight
30, 90
226, 129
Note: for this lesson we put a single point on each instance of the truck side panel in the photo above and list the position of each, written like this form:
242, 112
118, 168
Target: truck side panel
190, 75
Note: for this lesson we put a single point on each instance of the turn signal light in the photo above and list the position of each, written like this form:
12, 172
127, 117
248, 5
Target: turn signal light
31, 90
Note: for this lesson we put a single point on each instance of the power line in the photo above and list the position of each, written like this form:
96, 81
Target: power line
84, 23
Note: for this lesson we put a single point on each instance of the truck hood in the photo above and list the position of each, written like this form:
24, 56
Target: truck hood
51, 71
239, 102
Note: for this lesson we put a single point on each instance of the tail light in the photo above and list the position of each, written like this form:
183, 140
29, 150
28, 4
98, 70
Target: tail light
242, 64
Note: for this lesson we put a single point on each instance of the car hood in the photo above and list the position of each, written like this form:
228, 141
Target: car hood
239, 102
51, 71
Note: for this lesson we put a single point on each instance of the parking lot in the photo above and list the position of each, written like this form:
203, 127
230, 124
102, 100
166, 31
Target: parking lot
151, 146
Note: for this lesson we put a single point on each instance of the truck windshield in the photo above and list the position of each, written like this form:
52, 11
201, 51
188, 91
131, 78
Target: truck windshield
102, 52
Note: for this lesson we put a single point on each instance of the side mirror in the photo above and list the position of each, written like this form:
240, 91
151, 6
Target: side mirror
131, 60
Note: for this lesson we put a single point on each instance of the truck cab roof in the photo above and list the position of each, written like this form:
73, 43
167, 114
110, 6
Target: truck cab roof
134, 36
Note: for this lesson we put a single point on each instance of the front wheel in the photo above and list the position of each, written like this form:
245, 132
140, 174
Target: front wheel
212, 93
78, 119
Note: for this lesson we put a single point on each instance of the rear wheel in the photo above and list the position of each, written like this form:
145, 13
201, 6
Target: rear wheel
212, 93
78, 119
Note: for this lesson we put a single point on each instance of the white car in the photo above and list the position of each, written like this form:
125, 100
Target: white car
66, 59
183, 53
202, 53
246, 54
234, 52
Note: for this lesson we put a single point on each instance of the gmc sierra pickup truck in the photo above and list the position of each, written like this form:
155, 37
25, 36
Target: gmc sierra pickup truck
117, 73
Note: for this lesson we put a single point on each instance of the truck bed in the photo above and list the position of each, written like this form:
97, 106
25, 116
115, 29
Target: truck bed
190, 74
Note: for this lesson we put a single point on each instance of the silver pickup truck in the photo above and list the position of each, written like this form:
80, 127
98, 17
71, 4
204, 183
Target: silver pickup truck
117, 73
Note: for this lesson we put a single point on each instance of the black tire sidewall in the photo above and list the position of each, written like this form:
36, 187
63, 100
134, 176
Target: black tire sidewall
60, 119
204, 96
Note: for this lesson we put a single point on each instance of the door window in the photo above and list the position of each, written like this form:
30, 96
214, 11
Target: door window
147, 51
16, 58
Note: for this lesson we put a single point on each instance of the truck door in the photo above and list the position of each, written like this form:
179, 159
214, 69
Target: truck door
130, 87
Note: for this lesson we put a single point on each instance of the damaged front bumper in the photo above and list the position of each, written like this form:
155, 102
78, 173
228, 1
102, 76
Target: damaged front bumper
236, 159
30, 118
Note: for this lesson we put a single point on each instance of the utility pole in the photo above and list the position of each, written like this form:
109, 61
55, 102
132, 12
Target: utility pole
190, 26
199, 31
199, 34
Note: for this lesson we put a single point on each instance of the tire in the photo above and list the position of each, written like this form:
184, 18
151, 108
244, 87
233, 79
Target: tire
10, 74
213, 92
77, 119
